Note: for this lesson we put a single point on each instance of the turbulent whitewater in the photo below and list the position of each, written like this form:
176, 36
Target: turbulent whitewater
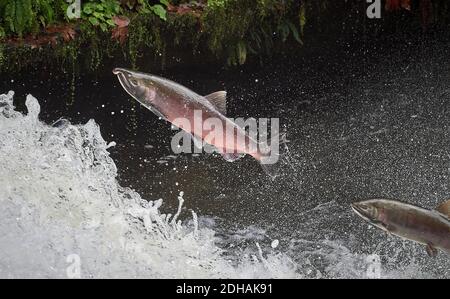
59, 198
61, 206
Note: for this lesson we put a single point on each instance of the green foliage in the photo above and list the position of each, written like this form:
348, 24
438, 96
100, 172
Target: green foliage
44, 11
236, 28
146, 33
101, 12
216, 3
285, 28
158, 9
237, 54
18, 15
232, 30
302, 18
2, 55
26, 16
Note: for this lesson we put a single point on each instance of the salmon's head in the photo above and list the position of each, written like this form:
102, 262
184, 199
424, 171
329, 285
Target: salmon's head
371, 211
140, 86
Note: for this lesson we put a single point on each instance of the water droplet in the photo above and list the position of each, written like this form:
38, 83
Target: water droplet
275, 244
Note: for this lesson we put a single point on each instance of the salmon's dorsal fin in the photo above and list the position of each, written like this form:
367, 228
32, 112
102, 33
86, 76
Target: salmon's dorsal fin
219, 100
444, 208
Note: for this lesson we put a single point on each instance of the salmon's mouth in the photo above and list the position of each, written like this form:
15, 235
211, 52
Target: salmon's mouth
117, 71
368, 213
363, 211
124, 78
357, 209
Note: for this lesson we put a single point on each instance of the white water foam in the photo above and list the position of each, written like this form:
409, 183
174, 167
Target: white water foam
59, 199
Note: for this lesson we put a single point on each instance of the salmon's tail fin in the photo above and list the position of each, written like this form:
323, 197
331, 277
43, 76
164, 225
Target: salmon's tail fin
275, 156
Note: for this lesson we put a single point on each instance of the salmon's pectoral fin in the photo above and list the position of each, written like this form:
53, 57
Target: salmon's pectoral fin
444, 208
432, 252
156, 112
389, 228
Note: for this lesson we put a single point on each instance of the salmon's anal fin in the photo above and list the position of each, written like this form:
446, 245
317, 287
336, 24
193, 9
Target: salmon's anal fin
219, 100
432, 252
444, 208
232, 157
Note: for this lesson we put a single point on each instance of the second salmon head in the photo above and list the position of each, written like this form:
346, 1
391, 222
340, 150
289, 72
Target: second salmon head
370, 211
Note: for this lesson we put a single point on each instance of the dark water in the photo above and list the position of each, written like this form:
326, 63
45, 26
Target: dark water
366, 121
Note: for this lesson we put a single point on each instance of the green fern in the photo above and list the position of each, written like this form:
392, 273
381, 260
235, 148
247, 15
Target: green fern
44, 11
25, 16
19, 15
